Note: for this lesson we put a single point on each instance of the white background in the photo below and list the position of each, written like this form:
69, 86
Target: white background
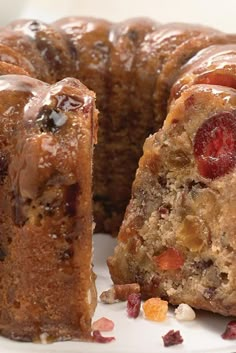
216, 13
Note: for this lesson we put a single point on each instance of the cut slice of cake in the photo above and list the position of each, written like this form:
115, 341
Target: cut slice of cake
178, 236
47, 135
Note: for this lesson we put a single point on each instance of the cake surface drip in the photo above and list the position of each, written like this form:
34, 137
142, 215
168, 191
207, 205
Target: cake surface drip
46, 137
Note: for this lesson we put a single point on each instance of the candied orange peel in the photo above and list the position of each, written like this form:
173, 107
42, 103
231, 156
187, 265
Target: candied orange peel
155, 309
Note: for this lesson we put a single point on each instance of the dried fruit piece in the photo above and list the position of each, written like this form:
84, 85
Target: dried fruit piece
119, 292
133, 305
103, 324
192, 233
230, 331
215, 145
170, 259
172, 338
184, 312
97, 337
155, 309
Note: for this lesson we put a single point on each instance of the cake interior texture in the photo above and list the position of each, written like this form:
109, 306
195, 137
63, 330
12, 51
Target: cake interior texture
178, 236
140, 70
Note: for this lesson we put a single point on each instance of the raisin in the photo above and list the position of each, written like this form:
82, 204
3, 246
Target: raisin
215, 145
71, 199
202, 265
2, 255
18, 212
192, 184
67, 254
50, 120
133, 305
209, 293
192, 233
35, 26
164, 210
3, 167
172, 338
133, 35
101, 46
162, 180
230, 331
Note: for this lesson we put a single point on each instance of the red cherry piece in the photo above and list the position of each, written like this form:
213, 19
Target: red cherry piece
133, 305
170, 259
172, 338
97, 337
215, 145
230, 331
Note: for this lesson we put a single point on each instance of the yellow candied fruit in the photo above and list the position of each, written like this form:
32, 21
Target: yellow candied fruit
192, 233
155, 309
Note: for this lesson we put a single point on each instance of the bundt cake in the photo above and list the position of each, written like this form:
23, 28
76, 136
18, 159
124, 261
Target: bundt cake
47, 134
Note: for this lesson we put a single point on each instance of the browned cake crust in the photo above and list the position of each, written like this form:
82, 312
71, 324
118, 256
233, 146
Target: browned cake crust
47, 136
178, 236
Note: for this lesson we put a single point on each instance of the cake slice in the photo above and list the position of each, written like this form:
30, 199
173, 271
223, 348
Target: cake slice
46, 147
178, 239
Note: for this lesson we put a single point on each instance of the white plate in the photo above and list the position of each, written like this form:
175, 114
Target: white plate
202, 335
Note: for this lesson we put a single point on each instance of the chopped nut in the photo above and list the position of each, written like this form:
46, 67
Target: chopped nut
119, 292
184, 312
44, 338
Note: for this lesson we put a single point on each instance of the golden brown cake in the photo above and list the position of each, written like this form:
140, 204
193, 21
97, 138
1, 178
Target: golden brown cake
46, 138
177, 239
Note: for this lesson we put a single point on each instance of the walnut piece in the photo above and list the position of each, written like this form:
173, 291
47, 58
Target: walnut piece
119, 292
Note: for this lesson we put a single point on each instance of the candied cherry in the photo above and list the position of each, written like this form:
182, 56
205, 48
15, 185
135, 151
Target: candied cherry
133, 305
172, 338
170, 259
230, 331
215, 145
